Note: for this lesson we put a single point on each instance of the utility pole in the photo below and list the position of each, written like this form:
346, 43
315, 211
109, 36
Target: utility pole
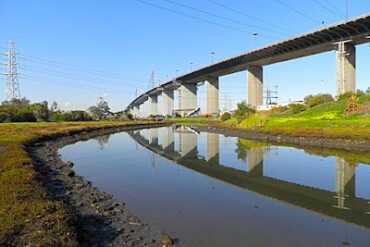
12, 84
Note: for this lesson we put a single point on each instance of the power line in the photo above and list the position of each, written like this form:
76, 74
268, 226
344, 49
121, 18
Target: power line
248, 16
334, 7
328, 9
199, 19
75, 76
297, 11
75, 68
67, 84
222, 17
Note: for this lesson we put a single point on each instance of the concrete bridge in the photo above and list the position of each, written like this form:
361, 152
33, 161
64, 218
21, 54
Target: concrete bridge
341, 204
341, 38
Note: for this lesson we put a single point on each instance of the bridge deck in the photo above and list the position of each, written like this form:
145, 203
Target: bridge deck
356, 30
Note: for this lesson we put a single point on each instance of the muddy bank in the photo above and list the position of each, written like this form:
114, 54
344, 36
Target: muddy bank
100, 220
329, 143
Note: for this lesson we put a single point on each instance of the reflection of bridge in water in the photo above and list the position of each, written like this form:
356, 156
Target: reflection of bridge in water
342, 204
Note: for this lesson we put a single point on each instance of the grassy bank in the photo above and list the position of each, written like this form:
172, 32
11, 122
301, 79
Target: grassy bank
27, 216
323, 120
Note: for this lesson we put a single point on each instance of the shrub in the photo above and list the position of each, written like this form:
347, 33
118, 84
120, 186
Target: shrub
23, 115
243, 111
296, 108
279, 109
314, 100
5, 117
225, 116
347, 95
352, 106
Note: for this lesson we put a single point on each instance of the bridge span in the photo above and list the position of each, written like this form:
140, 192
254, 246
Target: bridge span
341, 38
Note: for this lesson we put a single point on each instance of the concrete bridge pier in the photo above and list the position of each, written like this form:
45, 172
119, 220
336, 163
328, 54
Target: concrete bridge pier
255, 161
212, 92
136, 111
344, 181
345, 67
168, 144
187, 98
153, 104
167, 95
188, 141
255, 85
213, 149
153, 136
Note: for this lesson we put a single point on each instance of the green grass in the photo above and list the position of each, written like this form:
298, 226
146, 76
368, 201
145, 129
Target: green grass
325, 120
27, 216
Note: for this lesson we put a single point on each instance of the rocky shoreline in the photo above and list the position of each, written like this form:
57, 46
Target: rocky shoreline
100, 220
314, 142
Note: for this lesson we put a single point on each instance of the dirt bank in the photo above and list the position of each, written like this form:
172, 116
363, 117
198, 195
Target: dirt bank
324, 142
100, 220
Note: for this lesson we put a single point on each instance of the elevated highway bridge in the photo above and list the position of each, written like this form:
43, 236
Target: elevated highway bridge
342, 38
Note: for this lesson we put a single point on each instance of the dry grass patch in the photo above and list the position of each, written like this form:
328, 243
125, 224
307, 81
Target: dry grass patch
27, 215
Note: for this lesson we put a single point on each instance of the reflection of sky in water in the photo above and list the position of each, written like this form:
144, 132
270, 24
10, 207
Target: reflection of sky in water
296, 166
203, 211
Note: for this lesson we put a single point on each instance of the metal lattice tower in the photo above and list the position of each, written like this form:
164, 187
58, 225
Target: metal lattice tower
12, 84
271, 94
152, 80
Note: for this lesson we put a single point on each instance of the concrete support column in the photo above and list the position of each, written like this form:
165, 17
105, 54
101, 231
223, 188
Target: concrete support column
168, 139
153, 136
136, 112
213, 149
344, 181
212, 95
153, 105
345, 68
255, 85
255, 161
167, 96
187, 98
188, 141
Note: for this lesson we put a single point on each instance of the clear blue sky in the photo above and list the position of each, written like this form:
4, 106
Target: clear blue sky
74, 51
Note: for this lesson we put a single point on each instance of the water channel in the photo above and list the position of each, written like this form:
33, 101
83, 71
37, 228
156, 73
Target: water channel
210, 190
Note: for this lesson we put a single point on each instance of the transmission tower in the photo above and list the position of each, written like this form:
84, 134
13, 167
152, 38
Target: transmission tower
152, 80
271, 94
12, 85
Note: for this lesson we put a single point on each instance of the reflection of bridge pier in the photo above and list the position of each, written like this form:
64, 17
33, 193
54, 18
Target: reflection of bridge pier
344, 181
255, 161
153, 136
213, 149
188, 141
168, 144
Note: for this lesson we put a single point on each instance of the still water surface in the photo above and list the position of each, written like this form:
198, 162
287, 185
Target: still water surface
211, 190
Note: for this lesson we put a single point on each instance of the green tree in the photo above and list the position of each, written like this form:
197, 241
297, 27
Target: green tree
100, 110
54, 107
313, 100
243, 110
41, 111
